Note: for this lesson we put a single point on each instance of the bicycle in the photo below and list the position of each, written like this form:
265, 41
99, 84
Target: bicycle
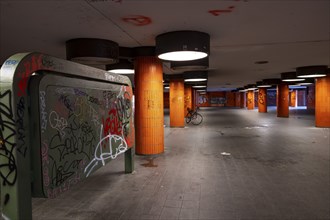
194, 117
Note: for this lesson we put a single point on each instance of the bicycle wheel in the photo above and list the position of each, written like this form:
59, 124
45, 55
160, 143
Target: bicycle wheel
197, 119
188, 118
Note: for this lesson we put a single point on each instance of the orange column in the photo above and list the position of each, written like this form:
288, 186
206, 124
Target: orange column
262, 100
250, 100
188, 98
322, 102
282, 100
230, 99
242, 100
293, 98
149, 110
237, 99
177, 103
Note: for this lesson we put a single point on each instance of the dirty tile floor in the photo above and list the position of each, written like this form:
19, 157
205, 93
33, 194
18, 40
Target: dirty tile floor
278, 168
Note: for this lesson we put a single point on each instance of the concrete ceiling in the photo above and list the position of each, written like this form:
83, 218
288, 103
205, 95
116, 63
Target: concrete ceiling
286, 33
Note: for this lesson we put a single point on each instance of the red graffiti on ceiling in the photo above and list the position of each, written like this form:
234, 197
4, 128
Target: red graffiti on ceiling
138, 20
218, 12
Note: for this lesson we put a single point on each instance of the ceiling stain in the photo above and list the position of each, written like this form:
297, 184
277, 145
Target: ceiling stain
137, 20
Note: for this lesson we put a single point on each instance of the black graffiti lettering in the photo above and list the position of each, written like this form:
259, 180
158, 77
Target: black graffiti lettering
65, 171
4, 109
94, 100
123, 107
66, 101
7, 198
43, 113
47, 62
78, 92
8, 169
21, 146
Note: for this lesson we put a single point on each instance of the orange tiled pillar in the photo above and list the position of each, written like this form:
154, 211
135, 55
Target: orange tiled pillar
262, 100
250, 100
237, 99
322, 102
282, 100
230, 97
242, 100
188, 98
293, 98
149, 110
177, 102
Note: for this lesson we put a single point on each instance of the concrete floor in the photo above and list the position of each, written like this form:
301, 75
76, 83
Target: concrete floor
278, 169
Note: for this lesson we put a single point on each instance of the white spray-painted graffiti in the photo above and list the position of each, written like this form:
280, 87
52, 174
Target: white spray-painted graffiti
57, 122
112, 153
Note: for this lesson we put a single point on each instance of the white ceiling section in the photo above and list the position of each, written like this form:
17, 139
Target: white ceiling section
287, 33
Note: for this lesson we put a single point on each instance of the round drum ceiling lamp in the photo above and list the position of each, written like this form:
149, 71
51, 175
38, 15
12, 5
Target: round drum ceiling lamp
290, 77
306, 82
241, 89
312, 71
182, 45
261, 84
92, 51
123, 67
200, 64
251, 87
266, 83
195, 76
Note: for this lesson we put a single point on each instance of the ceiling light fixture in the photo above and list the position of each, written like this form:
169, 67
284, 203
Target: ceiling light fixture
311, 71
267, 83
261, 84
195, 80
123, 67
200, 64
251, 87
290, 77
92, 51
195, 76
196, 87
183, 45
309, 81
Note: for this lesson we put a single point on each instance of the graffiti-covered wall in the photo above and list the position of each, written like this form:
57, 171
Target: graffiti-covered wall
55, 133
82, 128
